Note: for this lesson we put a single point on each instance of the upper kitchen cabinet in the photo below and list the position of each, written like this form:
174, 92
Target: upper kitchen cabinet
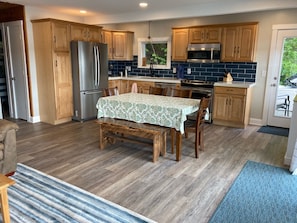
238, 43
180, 40
53, 66
207, 34
120, 44
60, 35
85, 32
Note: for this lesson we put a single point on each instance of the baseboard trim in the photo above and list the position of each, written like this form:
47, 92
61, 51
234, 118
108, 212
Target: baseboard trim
34, 119
287, 161
254, 121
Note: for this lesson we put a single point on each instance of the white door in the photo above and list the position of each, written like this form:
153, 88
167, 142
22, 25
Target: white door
280, 90
16, 69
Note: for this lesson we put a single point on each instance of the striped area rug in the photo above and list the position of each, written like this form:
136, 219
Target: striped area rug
37, 197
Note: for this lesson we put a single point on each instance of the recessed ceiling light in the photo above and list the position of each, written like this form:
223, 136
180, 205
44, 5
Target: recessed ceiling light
143, 4
83, 11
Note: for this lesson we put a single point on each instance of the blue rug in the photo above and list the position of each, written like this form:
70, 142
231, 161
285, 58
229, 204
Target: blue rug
37, 197
260, 194
274, 130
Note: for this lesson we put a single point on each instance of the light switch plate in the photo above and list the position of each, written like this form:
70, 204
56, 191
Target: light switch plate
174, 70
189, 70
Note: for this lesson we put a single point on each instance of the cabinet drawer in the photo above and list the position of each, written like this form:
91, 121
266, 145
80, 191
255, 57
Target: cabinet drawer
230, 90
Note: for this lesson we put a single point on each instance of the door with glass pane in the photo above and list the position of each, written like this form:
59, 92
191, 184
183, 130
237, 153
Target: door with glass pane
283, 78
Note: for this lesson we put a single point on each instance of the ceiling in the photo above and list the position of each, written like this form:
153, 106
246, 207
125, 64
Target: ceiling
119, 11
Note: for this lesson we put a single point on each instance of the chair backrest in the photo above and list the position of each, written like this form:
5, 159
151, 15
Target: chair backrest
157, 90
183, 93
110, 91
204, 104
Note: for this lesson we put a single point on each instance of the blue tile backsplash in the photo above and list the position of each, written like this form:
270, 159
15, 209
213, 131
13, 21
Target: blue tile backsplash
240, 71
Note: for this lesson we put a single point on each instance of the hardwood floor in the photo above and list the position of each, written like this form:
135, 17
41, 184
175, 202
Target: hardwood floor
165, 191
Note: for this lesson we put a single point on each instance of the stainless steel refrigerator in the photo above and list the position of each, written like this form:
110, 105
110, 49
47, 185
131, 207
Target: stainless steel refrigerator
90, 77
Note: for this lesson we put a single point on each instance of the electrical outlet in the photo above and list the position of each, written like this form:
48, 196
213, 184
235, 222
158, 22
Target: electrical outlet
174, 70
128, 68
189, 70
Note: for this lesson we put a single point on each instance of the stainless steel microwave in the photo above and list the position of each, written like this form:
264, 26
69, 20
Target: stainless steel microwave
204, 53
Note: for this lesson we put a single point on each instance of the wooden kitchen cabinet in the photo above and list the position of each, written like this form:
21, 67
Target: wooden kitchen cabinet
53, 66
115, 83
208, 34
85, 32
60, 36
180, 40
238, 43
124, 87
231, 106
120, 44
143, 86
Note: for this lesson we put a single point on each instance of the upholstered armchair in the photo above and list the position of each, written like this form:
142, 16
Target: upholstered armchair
8, 153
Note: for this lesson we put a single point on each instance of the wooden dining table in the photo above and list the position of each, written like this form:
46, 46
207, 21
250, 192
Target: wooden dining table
166, 111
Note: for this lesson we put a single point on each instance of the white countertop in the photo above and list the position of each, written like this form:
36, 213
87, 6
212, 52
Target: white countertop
234, 84
175, 80
151, 79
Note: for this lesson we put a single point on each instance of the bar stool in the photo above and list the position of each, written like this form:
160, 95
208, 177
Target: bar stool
5, 182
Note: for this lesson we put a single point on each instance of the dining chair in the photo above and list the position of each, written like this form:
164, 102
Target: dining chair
197, 126
111, 91
177, 92
157, 90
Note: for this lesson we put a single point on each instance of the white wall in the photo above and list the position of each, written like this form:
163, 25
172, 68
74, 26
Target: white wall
163, 28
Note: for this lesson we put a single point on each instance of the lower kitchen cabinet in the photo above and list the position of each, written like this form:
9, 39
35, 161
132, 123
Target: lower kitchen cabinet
142, 86
231, 106
114, 83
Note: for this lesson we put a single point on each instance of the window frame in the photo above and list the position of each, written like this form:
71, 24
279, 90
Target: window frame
141, 52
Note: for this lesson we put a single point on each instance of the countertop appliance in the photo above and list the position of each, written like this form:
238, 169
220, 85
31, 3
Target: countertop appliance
89, 76
201, 89
204, 53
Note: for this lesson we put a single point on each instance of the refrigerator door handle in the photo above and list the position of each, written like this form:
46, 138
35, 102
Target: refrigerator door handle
95, 65
91, 92
98, 66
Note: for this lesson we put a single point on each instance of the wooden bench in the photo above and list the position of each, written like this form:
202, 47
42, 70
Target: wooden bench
110, 128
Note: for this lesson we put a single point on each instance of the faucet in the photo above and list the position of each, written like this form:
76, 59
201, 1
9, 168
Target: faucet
152, 68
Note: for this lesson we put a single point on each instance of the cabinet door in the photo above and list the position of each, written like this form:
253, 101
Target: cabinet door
179, 44
213, 35
237, 108
205, 35
63, 85
78, 32
94, 34
238, 43
246, 43
221, 107
124, 87
196, 35
229, 44
107, 38
119, 45
115, 83
61, 36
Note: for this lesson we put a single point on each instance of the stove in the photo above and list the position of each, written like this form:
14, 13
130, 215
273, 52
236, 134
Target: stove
197, 83
200, 89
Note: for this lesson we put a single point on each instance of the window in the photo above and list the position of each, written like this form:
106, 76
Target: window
154, 53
